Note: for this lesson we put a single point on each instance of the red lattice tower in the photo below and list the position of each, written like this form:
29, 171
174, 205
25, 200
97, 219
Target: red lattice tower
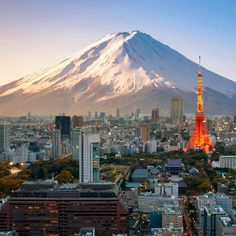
200, 138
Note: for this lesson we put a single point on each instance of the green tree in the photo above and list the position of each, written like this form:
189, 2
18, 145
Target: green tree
65, 176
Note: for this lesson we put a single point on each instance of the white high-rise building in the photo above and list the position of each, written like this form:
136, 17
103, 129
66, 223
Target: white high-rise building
85, 144
4, 136
56, 143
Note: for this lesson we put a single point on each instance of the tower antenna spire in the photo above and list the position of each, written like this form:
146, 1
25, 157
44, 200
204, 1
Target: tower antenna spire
199, 63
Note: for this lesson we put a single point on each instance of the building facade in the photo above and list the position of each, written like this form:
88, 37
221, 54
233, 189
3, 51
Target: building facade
177, 110
63, 123
56, 143
4, 136
46, 208
227, 161
86, 149
155, 115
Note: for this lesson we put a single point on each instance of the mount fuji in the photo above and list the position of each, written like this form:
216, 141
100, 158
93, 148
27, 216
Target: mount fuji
121, 70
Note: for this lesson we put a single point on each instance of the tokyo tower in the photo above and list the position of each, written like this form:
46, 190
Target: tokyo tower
200, 138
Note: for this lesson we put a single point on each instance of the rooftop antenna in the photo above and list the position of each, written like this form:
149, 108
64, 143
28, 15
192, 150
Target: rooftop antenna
199, 63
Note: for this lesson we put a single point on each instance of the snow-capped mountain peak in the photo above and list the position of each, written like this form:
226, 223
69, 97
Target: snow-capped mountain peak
117, 65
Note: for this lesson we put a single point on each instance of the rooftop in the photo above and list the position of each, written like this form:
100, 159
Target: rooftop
174, 163
139, 173
51, 189
214, 210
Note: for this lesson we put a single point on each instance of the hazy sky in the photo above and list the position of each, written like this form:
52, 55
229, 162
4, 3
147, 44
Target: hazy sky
38, 33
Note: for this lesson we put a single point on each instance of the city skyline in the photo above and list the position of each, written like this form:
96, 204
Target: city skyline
37, 34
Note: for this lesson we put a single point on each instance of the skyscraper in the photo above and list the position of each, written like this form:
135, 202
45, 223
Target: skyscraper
4, 136
56, 143
77, 121
155, 115
85, 144
177, 110
145, 133
63, 123
118, 112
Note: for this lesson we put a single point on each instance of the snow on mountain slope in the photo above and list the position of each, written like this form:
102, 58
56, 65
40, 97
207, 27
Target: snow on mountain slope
117, 66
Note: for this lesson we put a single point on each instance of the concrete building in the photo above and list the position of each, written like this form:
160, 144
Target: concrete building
77, 121
171, 216
56, 144
51, 209
210, 215
145, 133
155, 115
170, 231
151, 146
225, 226
8, 233
4, 136
177, 110
167, 189
75, 134
148, 202
87, 143
227, 162
209, 200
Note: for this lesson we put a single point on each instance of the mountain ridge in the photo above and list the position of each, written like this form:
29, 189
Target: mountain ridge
110, 72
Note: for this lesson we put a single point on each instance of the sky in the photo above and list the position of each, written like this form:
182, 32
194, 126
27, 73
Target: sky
38, 33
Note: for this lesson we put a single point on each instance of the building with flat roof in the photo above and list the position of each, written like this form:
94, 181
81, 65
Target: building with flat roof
63, 123
227, 162
4, 136
167, 189
149, 201
210, 215
177, 110
169, 231
86, 149
52, 209
209, 200
225, 226
171, 216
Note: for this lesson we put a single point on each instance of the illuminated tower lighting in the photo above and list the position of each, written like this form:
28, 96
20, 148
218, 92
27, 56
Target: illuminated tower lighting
200, 138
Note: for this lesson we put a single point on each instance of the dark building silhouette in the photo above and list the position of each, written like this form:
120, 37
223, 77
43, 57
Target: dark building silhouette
63, 123
46, 208
155, 115
77, 121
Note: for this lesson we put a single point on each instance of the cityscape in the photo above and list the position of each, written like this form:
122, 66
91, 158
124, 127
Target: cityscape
127, 136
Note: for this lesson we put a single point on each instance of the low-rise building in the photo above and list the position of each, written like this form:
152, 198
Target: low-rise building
225, 226
227, 162
52, 209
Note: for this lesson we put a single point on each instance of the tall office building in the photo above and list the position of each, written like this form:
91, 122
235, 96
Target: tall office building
75, 136
137, 114
85, 145
56, 143
210, 215
118, 112
145, 133
155, 115
4, 136
77, 121
63, 124
177, 110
